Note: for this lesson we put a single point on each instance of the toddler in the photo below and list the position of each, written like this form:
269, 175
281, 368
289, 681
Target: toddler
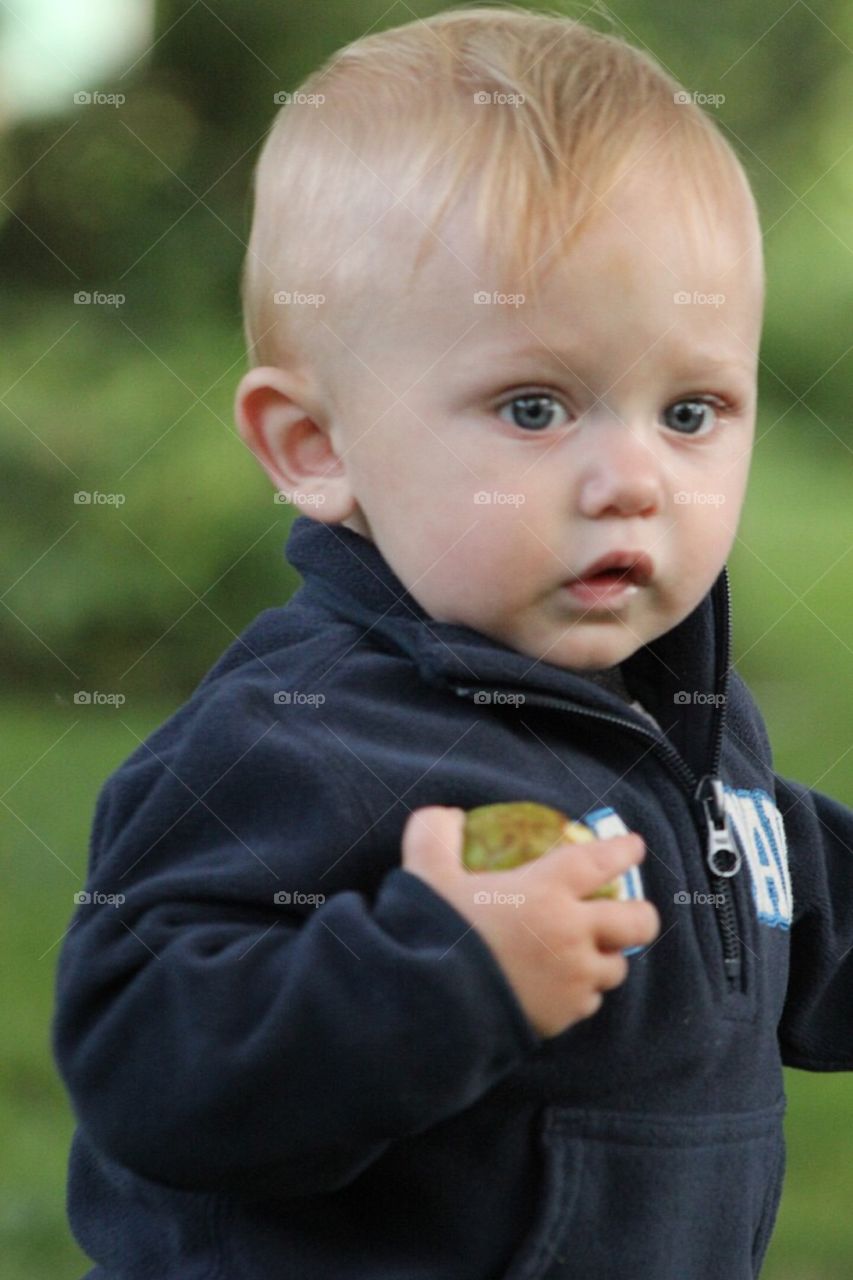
503, 299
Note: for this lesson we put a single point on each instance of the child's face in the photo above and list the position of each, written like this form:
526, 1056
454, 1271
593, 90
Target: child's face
485, 520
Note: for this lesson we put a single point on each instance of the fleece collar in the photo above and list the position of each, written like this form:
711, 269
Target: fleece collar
680, 677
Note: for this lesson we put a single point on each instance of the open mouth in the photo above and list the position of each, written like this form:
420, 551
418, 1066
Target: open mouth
613, 578
611, 575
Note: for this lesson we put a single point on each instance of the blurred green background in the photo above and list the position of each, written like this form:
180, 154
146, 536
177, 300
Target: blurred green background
149, 199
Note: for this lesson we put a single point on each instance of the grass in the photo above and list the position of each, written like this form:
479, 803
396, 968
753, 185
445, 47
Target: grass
794, 646
52, 760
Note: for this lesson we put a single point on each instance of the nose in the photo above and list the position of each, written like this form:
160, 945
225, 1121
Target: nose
623, 475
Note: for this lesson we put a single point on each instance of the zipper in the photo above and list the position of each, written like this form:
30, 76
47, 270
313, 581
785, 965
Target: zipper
724, 861
722, 852
722, 855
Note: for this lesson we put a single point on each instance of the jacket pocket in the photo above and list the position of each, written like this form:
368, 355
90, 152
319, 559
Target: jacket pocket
629, 1196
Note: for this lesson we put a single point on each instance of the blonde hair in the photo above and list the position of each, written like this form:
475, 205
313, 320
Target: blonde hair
532, 114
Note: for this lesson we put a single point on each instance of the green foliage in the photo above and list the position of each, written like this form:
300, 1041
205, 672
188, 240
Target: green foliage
97, 588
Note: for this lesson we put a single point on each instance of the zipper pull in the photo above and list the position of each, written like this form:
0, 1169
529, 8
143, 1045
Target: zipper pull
722, 854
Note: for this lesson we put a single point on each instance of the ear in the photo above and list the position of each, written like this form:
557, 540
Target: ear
286, 429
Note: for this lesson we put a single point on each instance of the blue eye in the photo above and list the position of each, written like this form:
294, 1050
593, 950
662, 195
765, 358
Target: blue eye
532, 413
689, 416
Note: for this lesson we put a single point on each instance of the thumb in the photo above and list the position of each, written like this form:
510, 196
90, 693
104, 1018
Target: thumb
432, 840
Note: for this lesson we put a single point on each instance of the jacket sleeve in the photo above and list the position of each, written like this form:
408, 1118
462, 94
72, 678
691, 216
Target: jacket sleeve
214, 1039
816, 1028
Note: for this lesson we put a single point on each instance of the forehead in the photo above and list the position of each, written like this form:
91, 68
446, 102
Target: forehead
633, 265
608, 300
644, 229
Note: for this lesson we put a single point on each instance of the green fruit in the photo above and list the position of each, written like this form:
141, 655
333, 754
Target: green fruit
498, 837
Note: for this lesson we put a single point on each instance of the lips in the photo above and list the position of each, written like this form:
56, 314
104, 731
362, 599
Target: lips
619, 566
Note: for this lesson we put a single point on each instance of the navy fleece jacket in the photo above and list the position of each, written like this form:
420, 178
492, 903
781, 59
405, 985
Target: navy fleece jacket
290, 1057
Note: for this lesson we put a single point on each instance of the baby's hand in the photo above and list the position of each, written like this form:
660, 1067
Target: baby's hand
558, 952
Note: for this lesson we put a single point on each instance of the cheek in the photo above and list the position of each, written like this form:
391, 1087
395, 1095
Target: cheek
399, 459
736, 488
502, 561
721, 518
701, 545
474, 557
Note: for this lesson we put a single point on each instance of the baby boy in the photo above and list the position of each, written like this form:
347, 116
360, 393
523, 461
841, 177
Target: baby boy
503, 298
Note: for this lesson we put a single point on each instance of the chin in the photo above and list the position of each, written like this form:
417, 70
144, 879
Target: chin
594, 656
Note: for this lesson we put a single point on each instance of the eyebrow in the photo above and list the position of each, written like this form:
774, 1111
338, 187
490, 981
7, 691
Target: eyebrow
686, 360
